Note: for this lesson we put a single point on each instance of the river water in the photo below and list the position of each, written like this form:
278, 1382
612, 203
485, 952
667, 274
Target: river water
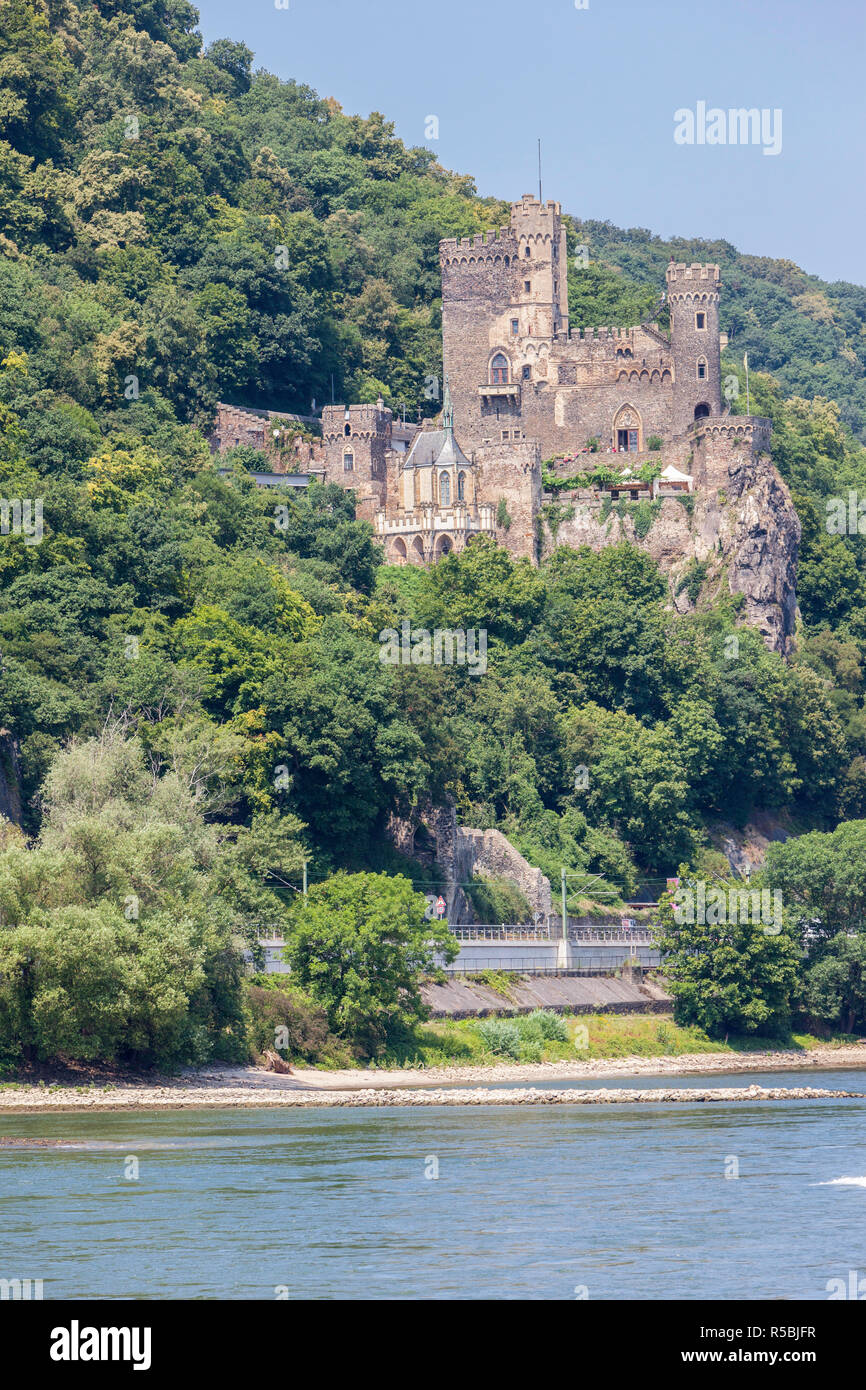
627, 1201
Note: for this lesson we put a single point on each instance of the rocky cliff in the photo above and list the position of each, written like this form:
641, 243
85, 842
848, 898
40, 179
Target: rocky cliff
743, 538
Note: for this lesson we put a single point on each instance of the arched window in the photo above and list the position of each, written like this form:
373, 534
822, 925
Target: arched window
702, 369
444, 490
702, 411
348, 461
527, 253
461, 487
347, 428
499, 370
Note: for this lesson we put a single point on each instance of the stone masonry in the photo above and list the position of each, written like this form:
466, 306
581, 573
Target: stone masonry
521, 388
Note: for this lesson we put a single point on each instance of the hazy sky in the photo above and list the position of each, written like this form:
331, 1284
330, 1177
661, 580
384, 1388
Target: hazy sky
601, 86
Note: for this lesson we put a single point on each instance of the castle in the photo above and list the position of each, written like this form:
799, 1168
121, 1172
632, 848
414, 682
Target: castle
521, 387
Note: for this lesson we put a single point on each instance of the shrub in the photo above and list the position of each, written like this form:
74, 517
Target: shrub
498, 900
553, 1027
500, 1037
270, 1009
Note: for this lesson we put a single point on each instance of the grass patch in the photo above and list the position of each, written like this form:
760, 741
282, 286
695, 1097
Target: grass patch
500, 981
547, 1037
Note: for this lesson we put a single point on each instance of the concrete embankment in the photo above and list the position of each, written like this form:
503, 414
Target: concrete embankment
221, 1098
461, 997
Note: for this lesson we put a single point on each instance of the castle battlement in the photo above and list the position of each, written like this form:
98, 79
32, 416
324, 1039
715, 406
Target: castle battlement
449, 247
754, 428
681, 274
529, 206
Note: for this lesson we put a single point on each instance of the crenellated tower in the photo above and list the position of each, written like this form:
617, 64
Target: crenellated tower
693, 297
357, 441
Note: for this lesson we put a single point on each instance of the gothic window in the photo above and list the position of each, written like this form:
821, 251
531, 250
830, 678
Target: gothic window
527, 253
515, 327
700, 320
499, 370
461, 487
444, 490
347, 428
702, 369
348, 461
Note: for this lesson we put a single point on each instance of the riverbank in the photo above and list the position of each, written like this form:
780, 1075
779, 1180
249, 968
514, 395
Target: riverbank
252, 1086
233, 1097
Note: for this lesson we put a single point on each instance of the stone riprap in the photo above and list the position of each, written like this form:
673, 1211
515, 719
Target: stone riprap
169, 1098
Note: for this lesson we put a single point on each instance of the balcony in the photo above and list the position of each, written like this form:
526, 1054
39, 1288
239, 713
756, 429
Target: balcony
508, 389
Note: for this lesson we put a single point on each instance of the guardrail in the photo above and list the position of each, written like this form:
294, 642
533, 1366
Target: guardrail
614, 935
532, 968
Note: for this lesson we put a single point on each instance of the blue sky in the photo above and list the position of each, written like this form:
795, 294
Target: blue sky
600, 86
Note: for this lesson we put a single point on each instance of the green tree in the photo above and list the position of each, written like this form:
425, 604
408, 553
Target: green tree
835, 986
359, 944
728, 977
822, 877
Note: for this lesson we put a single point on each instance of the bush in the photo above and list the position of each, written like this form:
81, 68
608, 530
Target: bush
498, 900
500, 1037
552, 1027
270, 1009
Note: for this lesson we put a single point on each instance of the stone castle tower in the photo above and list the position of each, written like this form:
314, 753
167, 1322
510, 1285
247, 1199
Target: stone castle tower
693, 296
524, 388
517, 371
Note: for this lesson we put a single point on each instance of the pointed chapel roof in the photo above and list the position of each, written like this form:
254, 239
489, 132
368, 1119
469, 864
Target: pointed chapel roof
438, 448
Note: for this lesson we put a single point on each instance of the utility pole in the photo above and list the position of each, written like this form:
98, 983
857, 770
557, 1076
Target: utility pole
305, 880
564, 909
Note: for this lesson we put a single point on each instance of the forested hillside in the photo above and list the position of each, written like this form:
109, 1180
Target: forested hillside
176, 230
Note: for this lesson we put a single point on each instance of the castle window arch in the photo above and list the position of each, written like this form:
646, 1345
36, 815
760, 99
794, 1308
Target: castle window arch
461, 487
499, 370
347, 428
627, 430
702, 411
444, 490
702, 368
348, 461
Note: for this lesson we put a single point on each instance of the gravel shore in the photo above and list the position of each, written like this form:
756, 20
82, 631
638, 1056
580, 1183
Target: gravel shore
252, 1086
159, 1098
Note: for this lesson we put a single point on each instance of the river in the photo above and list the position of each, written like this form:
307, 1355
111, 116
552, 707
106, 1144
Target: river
529, 1203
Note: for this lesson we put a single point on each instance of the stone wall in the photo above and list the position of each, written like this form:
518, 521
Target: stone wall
740, 523
242, 426
461, 853
512, 473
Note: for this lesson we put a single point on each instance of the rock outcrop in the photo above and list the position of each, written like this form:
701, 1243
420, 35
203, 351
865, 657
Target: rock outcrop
460, 853
738, 531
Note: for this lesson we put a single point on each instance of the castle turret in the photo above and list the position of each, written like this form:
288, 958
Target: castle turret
357, 440
542, 262
693, 296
